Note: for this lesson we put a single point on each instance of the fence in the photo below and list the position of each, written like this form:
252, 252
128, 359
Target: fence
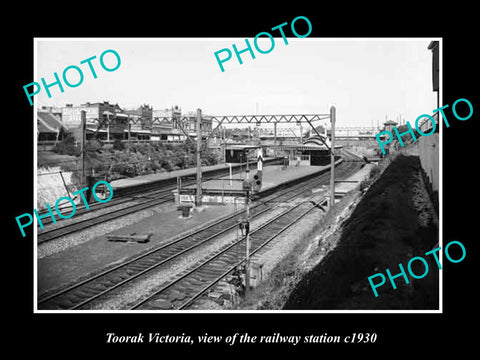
52, 184
427, 148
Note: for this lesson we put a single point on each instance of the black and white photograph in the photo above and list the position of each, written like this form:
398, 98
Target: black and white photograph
167, 182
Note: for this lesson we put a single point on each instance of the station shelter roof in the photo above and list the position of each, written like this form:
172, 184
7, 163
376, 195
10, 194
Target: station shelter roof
304, 147
241, 147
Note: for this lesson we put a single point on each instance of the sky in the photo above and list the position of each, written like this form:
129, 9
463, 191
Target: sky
365, 79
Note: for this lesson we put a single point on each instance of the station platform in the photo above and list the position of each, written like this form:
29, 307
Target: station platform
271, 176
121, 186
226, 190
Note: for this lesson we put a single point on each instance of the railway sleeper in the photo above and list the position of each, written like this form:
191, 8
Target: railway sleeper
90, 292
190, 283
210, 272
198, 277
97, 287
138, 267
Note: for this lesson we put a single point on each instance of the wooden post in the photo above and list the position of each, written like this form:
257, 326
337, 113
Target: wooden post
198, 199
275, 139
128, 142
224, 146
247, 246
332, 157
83, 118
108, 128
177, 200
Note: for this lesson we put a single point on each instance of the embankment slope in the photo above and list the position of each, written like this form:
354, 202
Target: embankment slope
392, 223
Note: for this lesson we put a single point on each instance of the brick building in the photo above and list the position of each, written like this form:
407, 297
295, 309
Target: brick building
140, 122
166, 124
108, 121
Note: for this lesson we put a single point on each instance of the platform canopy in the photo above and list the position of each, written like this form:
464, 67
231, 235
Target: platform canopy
241, 147
304, 147
317, 140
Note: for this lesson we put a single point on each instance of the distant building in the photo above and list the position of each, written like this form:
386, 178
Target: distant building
174, 111
107, 121
355, 133
166, 124
143, 114
140, 122
389, 125
190, 124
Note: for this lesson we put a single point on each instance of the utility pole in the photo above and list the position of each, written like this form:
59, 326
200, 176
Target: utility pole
275, 139
224, 145
108, 128
247, 167
247, 245
332, 158
198, 198
83, 118
129, 131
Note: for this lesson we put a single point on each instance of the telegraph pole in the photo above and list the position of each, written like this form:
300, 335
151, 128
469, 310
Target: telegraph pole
198, 198
332, 158
247, 246
129, 131
275, 139
83, 117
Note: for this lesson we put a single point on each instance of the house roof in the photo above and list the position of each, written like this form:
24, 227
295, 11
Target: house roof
47, 123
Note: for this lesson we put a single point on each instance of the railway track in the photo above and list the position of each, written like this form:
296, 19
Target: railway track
135, 201
186, 289
81, 294
95, 206
81, 224
147, 190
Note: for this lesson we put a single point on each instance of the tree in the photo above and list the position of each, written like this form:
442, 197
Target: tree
67, 146
118, 145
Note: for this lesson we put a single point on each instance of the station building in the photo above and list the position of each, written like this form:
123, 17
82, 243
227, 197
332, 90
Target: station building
312, 152
238, 153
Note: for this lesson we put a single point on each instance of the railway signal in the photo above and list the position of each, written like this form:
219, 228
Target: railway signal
257, 181
259, 159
